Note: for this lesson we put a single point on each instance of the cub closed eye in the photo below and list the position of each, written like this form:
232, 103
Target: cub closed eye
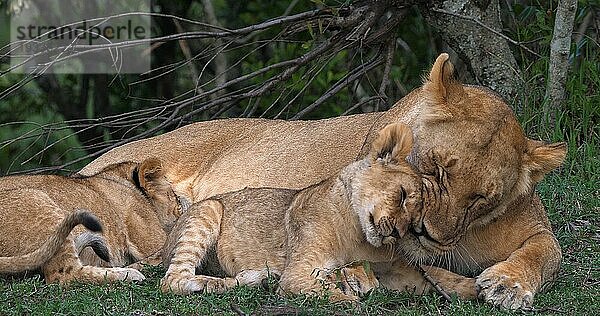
402, 196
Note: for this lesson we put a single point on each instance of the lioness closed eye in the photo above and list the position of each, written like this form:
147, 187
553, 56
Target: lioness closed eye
133, 201
299, 235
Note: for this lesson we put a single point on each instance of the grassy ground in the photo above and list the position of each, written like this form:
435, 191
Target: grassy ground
573, 204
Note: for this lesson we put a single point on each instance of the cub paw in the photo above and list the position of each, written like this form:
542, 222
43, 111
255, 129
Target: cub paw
193, 284
125, 274
504, 286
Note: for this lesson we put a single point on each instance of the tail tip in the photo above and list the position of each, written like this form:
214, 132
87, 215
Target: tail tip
91, 222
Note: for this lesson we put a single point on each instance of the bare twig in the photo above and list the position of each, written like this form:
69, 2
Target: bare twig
435, 285
220, 59
342, 83
236, 309
185, 48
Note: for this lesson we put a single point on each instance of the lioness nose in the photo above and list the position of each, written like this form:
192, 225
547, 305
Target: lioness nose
396, 233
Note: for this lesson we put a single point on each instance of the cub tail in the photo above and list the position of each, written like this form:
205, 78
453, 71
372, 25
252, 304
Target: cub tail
94, 241
35, 259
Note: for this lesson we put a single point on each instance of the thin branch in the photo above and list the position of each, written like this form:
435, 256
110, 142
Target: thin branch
560, 48
185, 49
435, 285
342, 83
385, 80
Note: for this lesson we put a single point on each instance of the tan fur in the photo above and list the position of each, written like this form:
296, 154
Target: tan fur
34, 259
303, 236
478, 167
38, 213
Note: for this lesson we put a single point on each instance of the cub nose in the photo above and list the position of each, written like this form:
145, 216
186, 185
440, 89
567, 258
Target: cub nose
386, 225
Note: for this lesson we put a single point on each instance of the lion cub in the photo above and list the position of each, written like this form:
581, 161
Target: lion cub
134, 202
299, 235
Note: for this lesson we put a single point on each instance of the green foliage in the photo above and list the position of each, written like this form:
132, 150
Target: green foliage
578, 122
24, 113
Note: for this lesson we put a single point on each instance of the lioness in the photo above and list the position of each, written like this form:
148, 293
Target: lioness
481, 213
133, 201
300, 235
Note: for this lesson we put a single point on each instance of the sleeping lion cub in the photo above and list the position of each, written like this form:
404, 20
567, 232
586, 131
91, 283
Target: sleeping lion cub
299, 235
133, 201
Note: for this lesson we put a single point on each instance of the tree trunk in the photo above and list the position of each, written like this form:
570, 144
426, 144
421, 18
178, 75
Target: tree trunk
484, 50
559, 58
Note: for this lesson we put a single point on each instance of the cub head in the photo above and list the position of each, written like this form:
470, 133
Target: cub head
474, 159
389, 190
149, 177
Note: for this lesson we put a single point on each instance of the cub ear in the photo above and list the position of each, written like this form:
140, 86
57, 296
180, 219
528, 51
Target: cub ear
393, 144
150, 175
541, 158
440, 88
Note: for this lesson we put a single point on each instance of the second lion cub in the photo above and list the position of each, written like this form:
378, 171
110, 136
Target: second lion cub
299, 235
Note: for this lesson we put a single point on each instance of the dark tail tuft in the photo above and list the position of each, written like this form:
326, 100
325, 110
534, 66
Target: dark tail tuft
96, 242
90, 221
101, 250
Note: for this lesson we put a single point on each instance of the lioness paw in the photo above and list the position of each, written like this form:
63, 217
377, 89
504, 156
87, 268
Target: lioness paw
503, 287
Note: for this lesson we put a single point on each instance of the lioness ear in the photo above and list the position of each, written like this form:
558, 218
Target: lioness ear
393, 144
150, 175
440, 76
541, 159
440, 88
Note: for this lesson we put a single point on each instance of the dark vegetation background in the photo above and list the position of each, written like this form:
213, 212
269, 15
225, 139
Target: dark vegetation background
56, 122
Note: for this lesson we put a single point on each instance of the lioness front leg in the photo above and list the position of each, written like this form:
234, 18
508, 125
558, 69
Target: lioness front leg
399, 275
514, 282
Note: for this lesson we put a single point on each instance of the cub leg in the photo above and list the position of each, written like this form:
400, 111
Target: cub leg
65, 267
210, 284
513, 283
194, 234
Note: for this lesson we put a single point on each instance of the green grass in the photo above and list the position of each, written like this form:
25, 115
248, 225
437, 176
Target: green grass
573, 205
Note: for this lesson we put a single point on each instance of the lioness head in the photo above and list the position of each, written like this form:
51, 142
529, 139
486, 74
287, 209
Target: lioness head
389, 190
474, 159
